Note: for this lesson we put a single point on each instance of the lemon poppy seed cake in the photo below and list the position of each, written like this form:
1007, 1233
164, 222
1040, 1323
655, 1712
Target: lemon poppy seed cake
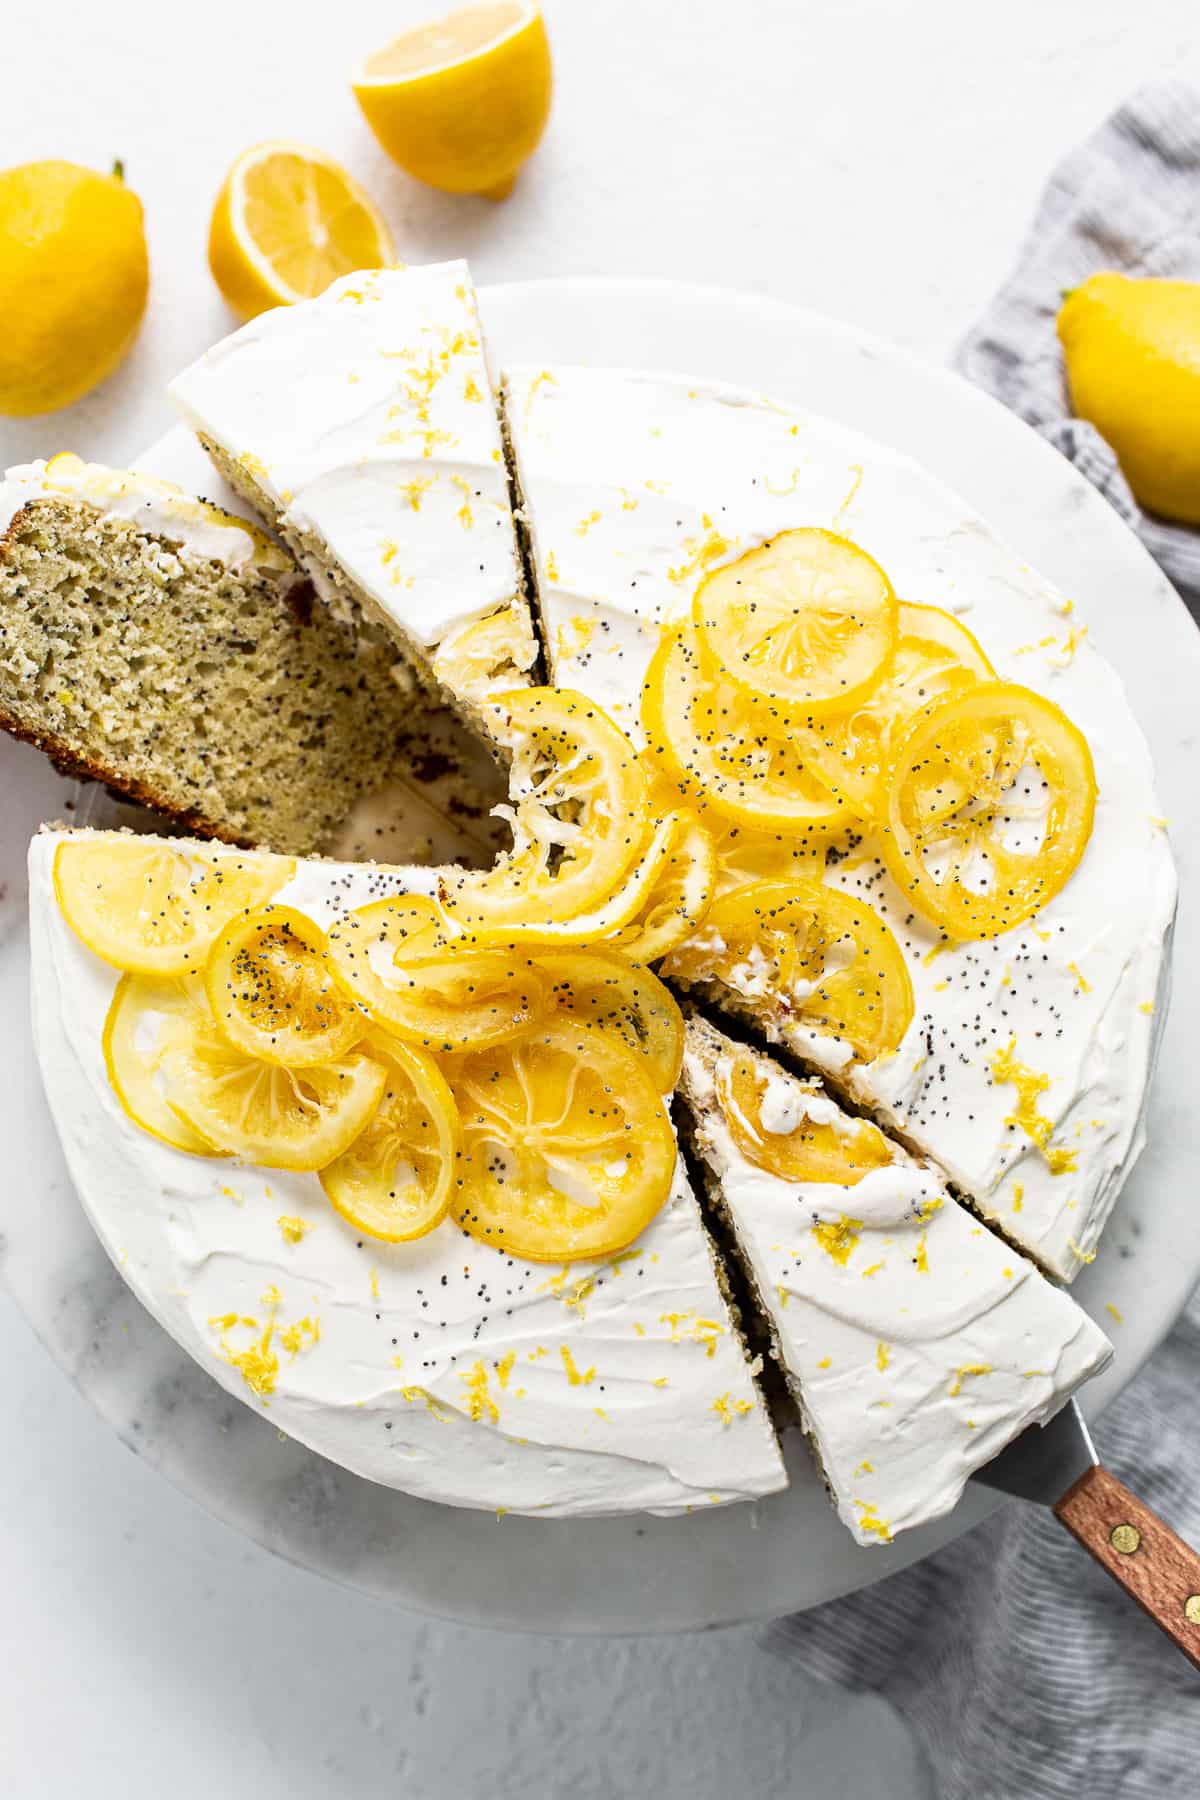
971, 945
916, 1342
392, 1150
446, 1363
363, 427
155, 643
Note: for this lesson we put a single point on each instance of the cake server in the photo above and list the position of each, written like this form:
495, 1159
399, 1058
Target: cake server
1056, 1465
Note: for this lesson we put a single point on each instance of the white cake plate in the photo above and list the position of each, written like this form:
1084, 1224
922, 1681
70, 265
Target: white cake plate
739, 1562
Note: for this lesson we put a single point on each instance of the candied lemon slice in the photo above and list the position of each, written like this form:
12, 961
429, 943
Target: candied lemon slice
398, 959
394, 1181
813, 1148
487, 655
567, 1148
147, 1016
279, 1117
607, 993
272, 993
931, 625
579, 814
744, 855
807, 954
152, 907
807, 620
679, 897
989, 808
736, 756
935, 656
624, 904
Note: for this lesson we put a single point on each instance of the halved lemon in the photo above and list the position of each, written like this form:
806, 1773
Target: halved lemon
399, 961
147, 1016
807, 620
462, 102
272, 992
579, 814
989, 808
279, 1117
287, 222
734, 754
806, 954
395, 1180
153, 908
567, 1148
606, 993
812, 1150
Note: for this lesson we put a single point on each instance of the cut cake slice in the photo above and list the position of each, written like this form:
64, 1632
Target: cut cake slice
157, 644
915, 1341
362, 426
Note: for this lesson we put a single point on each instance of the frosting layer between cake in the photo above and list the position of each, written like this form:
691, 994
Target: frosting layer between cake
440, 1366
158, 508
916, 1342
636, 485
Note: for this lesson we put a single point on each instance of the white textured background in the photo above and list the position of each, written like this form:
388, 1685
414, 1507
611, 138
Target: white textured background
876, 159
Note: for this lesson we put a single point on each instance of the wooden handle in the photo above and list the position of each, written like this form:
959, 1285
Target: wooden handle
1150, 1561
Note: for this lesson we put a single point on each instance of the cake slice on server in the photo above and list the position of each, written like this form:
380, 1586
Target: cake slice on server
706, 559
362, 426
915, 1341
164, 647
423, 1213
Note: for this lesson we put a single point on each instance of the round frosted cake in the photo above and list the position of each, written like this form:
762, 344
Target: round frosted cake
782, 1068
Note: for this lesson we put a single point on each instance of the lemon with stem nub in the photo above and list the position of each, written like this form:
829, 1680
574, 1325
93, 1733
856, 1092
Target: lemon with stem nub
461, 103
74, 276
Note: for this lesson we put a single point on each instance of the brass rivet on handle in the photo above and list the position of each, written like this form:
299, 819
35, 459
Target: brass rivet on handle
1125, 1538
1191, 1609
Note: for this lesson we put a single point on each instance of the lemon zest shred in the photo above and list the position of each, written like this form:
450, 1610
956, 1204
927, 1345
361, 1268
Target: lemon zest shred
839, 1238
480, 1404
871, 1521
1031, 1085
576, 1376
966, 1370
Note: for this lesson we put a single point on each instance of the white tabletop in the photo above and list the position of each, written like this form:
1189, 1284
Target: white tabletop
874, 161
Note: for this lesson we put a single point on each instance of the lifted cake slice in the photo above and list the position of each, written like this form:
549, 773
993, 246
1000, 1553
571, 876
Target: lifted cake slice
155, 643
363, 427
915, 1342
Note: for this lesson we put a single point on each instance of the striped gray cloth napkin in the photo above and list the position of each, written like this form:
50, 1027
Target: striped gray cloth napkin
1023, 1671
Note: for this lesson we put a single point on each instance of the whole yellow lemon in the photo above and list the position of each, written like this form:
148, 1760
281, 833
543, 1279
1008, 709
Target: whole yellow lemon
74, 276
1132, 347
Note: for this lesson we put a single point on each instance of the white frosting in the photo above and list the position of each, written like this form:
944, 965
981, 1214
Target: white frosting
367, 417
158, 508
637, 484
198, 1239
917, 1343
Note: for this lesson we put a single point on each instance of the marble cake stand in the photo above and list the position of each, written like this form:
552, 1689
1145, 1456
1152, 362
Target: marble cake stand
636, 1574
